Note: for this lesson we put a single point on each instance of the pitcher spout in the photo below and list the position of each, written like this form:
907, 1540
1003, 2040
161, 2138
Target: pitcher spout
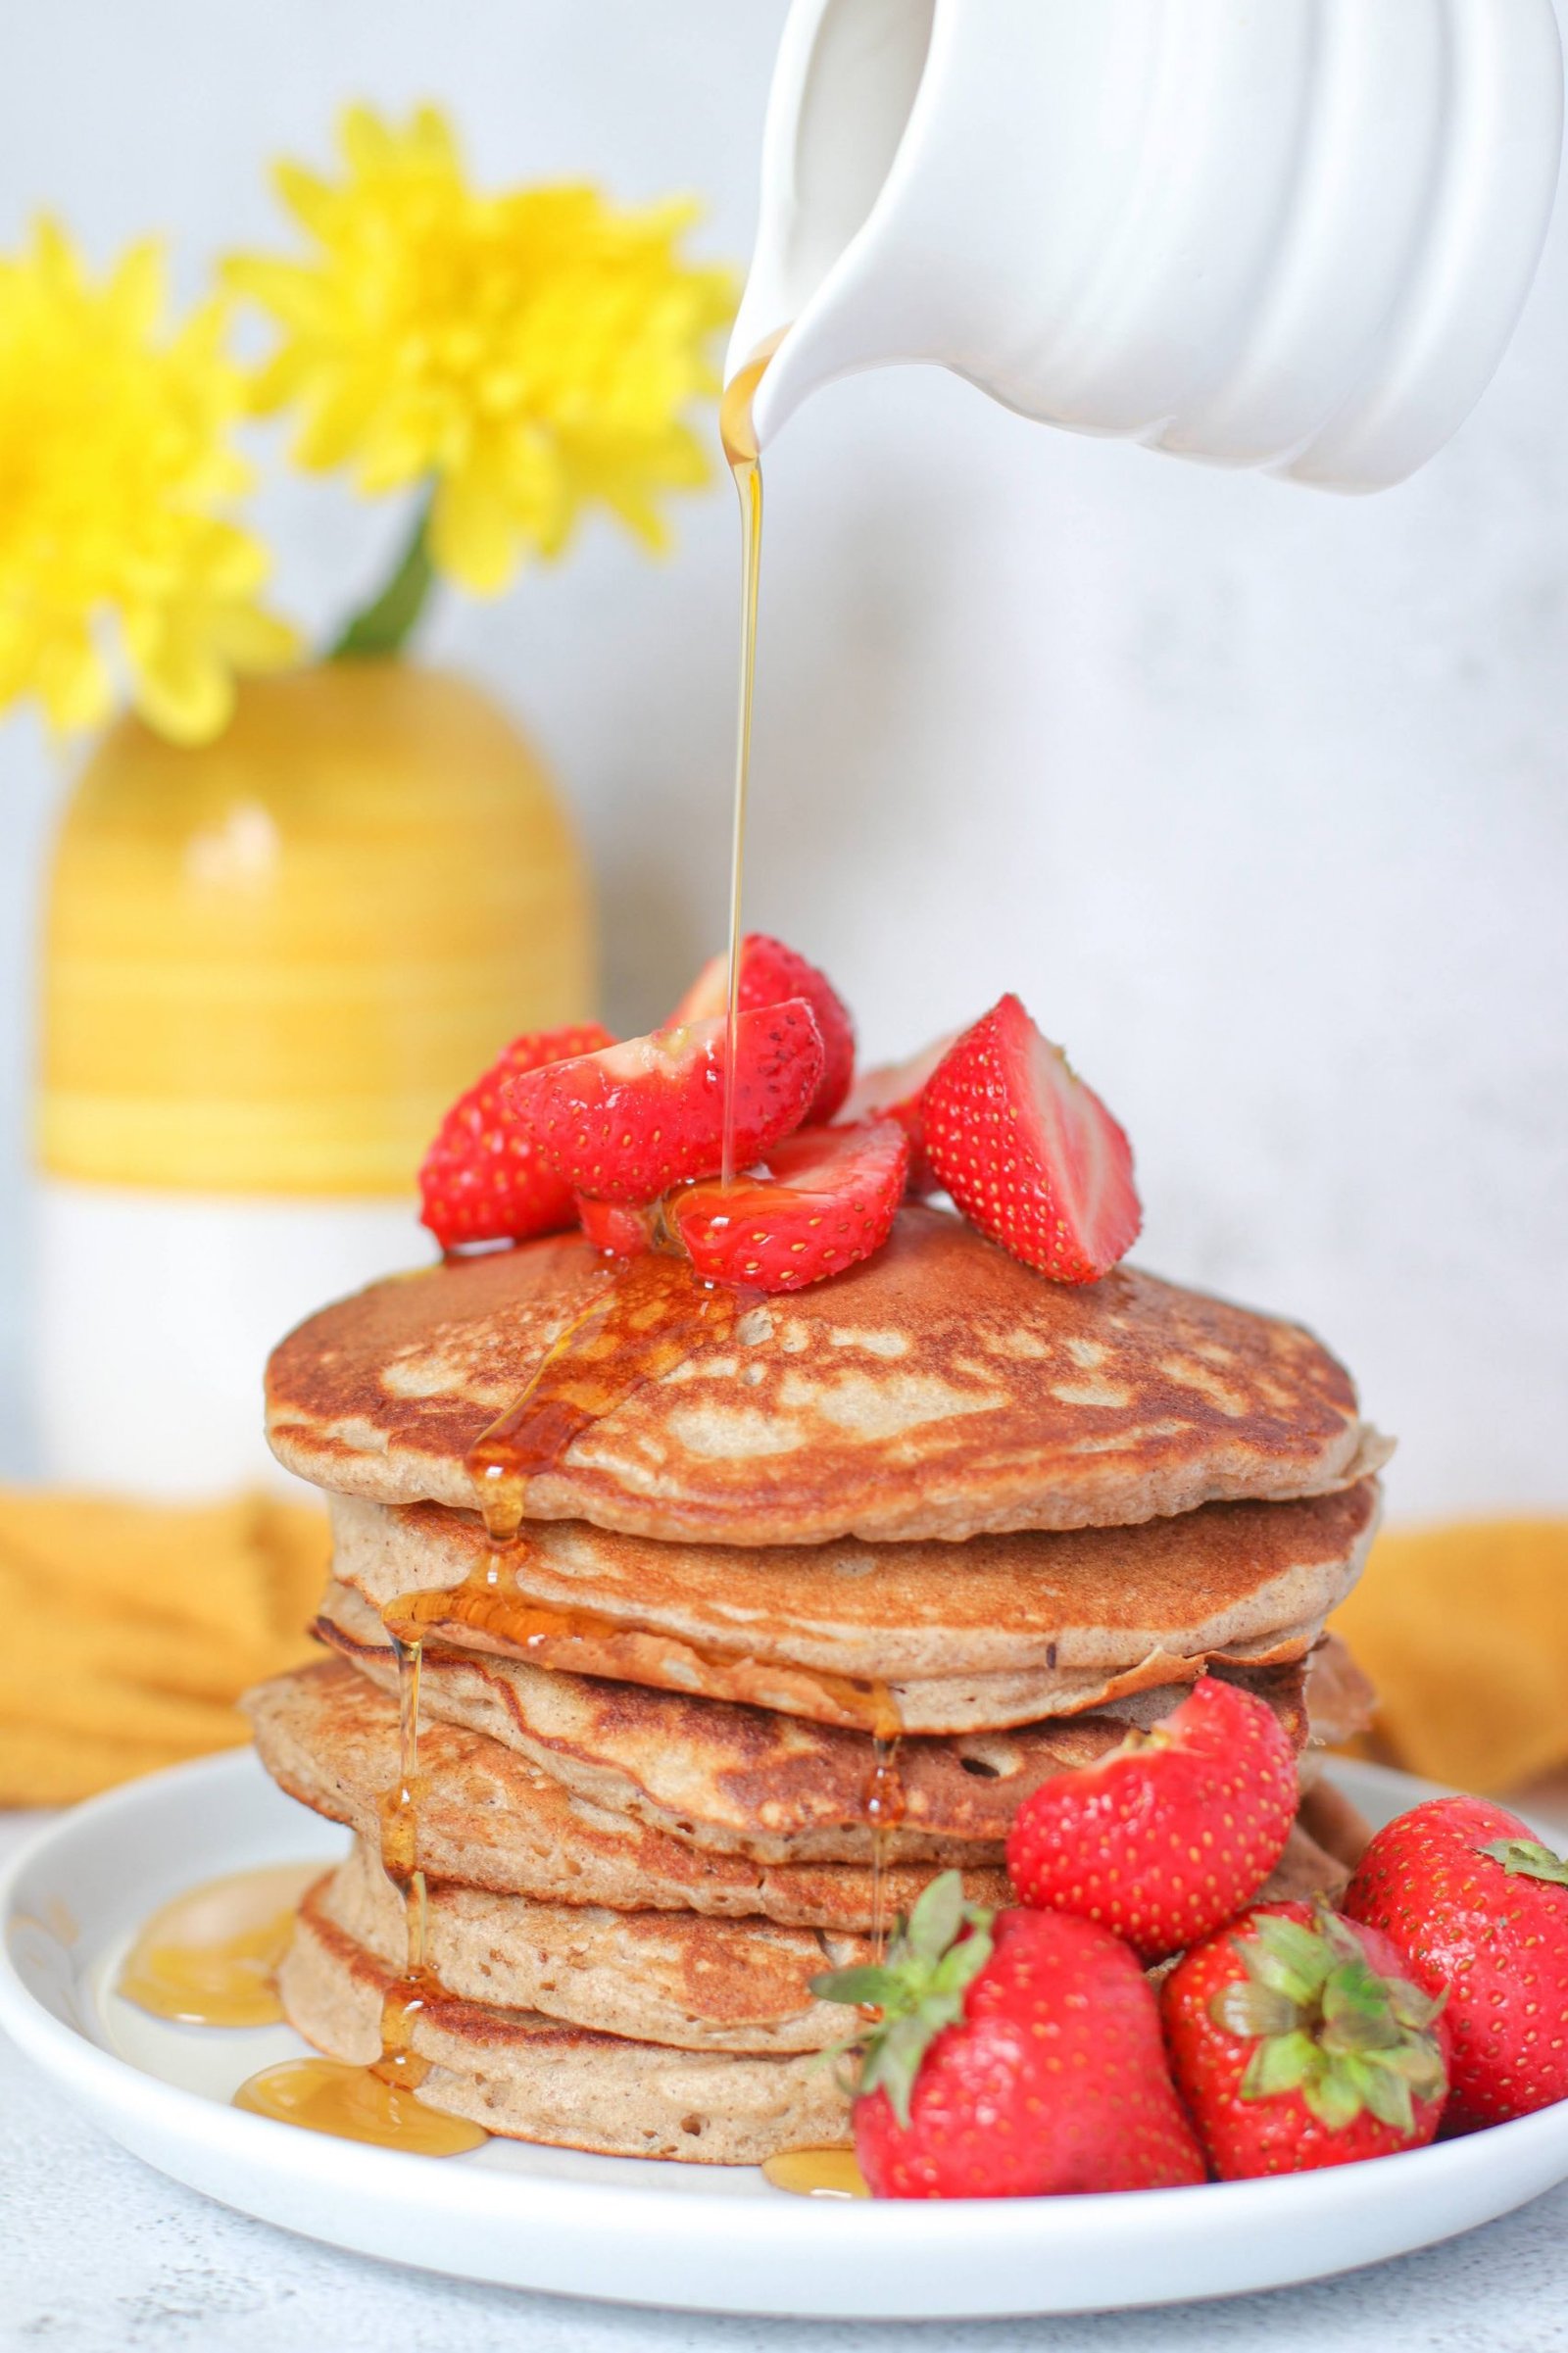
845, 90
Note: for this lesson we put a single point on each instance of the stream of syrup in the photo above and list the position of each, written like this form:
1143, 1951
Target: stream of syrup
737, 436
642, 1320
884, 1795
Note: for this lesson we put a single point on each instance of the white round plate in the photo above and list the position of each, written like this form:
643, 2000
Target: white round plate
698, 2238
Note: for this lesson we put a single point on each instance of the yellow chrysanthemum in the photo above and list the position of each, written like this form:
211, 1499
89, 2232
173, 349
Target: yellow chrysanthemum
529, 353
114, 468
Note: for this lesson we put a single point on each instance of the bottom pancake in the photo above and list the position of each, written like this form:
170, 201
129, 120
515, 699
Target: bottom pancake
532, 2077
659, 1977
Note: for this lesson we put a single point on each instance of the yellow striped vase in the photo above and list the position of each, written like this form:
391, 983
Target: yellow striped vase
268, 964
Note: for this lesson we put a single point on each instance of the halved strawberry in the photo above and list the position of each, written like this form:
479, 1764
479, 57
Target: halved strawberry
619, 1227
769, 973
896, 1091
828, 1197
626, 1124
1030, 1153
483, 1179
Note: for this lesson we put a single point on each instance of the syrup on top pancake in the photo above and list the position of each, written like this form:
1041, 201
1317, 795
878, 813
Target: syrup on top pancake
939, 1390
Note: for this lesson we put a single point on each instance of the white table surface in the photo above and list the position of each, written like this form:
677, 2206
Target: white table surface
100, 2255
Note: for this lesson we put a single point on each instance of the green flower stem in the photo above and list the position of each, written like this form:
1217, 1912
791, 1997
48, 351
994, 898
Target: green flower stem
381, 629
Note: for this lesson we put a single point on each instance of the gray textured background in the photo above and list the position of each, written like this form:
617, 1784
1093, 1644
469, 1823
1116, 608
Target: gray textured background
1258, 796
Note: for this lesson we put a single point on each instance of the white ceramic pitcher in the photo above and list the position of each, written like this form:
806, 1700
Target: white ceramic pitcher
1286, 233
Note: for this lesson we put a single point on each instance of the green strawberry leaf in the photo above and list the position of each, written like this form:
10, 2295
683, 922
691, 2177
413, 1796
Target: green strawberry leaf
964, 1962
1387, 2094
1244, 2008
1411, 2007
1280, 2062
1337, 2096
1358, 2015
1286, 1957
936, 1919
919, 1989
862, 1985
893, 2060
1526, 1858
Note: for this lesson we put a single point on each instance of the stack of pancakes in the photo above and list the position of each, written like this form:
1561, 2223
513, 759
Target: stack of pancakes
937, 1495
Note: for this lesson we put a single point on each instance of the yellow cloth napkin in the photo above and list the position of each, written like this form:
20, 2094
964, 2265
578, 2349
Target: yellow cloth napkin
1465, 1631
129, 1630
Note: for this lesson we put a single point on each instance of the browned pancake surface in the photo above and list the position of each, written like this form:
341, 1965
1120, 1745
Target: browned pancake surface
661, 1977
490, 1818
750, 1780
939, 1390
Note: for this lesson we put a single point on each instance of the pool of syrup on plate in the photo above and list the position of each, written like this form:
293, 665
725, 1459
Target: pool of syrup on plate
640, 1320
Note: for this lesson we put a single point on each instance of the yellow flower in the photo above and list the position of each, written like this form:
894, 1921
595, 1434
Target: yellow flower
532, 353
115, 466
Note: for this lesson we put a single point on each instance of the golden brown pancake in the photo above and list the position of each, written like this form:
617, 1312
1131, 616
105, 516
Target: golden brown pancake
939, 1390
1001, 1630
748, 1781
532, 2078
489, 1817
659, 1977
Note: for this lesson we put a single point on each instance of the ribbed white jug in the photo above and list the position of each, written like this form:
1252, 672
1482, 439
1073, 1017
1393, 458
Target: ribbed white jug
1286, 233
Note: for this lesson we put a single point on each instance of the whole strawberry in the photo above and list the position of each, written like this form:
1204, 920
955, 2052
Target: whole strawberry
1029, 1154
483, 1179
1478, 1906
1018, 2055
1167, 1836
1299, 2041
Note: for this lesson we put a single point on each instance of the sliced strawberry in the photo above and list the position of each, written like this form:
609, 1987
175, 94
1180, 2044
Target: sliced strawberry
769, 973
829, 1199
617, 1227
1030, 1153
626, 1124
896, 1091
483, 1179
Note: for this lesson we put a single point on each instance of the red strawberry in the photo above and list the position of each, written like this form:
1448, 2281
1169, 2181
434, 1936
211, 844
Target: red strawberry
829, 1199
1018, 2055
615, 1226
1478, 1906
1030, 1155
483, 1179
769, 973
1167, 1836
1299, 2041
896, 1091
626, 1124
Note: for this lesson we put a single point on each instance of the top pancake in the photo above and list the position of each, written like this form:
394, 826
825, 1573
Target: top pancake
939, 1390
